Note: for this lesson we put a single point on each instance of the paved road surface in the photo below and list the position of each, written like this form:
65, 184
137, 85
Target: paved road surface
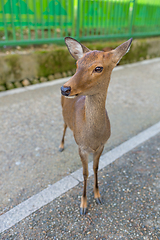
31, 129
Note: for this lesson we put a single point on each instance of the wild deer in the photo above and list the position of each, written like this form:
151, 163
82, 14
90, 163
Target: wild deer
83, 105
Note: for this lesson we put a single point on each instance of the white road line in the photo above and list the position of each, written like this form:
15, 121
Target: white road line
117, 152
35, 202
63, 80
44, 197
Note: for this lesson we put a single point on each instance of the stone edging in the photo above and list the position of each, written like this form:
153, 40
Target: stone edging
26, 82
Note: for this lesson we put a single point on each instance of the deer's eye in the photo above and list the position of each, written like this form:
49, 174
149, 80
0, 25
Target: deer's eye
98, 69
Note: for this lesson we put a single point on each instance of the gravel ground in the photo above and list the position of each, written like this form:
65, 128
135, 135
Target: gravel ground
130, 189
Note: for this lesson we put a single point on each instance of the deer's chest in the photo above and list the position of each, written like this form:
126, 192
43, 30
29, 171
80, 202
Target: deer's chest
90, 136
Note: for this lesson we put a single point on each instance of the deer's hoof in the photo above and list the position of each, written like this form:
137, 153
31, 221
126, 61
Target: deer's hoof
99, 200
61, 149
83, 211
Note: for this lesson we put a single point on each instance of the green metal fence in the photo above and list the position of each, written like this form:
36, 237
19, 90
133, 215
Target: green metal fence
46, 21
118, 18
35, 21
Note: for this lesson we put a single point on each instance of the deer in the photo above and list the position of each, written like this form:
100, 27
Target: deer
83, 105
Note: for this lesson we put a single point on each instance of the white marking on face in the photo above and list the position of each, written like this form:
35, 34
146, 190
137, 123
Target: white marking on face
70, 96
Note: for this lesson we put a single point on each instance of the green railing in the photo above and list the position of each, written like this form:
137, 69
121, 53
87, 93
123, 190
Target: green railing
118, 18
47, 21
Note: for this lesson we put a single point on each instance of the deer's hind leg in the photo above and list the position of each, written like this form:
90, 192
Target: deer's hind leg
96, 157
61, 147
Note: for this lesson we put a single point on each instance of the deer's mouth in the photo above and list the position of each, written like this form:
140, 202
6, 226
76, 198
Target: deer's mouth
72, 96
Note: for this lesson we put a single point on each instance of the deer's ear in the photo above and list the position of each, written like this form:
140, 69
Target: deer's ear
121, 50
75, 48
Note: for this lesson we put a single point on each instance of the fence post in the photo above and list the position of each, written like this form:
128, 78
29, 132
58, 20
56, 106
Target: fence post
131, 18
78, 21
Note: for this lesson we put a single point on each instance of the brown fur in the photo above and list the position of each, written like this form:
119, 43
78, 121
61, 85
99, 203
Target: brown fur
86, 115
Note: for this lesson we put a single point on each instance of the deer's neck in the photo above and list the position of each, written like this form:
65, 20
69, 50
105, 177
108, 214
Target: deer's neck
95, 112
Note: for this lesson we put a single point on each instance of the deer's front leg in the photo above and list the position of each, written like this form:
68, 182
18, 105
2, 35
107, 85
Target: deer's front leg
84, 159
96, 157
61, 147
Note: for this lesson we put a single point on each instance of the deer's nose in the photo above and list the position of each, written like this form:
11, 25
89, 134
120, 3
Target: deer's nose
65, 91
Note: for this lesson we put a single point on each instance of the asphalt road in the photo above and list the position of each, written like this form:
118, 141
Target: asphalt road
31, 129
130, 189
